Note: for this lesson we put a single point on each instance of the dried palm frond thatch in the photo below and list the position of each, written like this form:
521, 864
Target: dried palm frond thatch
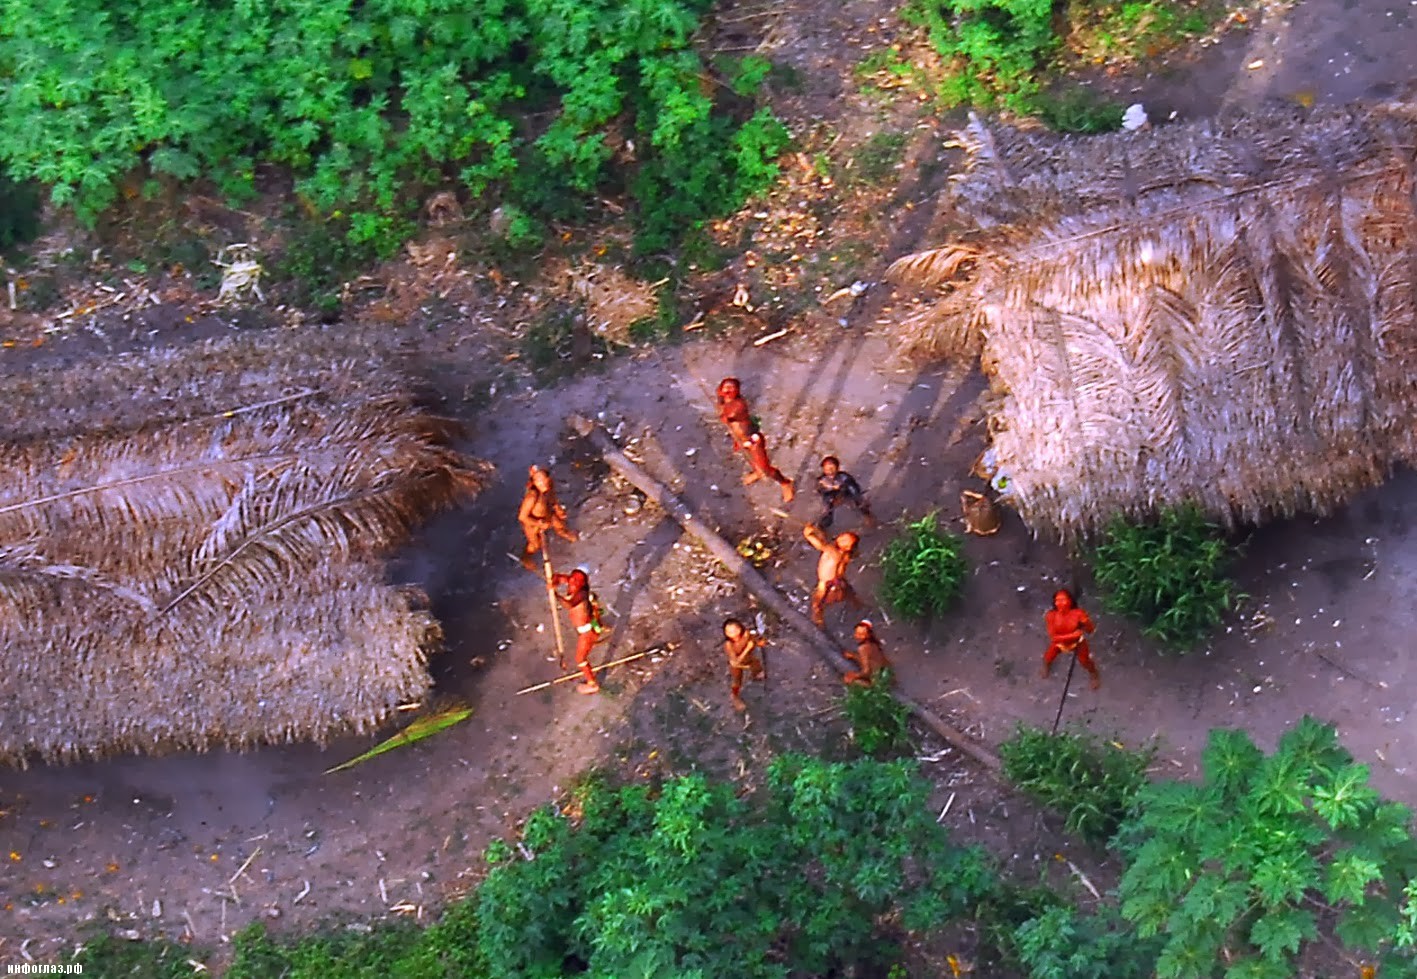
209, 575
1222, 312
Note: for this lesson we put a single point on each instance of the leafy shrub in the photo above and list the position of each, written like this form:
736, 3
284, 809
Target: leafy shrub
1239, 872
694, 881
995, 48
1169, 575
371, 104
924, 570
1079, 110
1062, 944
1093, 783
879, 722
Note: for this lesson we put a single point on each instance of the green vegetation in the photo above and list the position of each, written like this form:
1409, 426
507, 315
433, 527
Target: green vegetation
1003, 53
828, 869
694, 881
1246, 866
1079, 110
1135, 28
1170, 575
1093, 783
1060, 943
879, 722
923, 570
875, 160
550, 104
996, 49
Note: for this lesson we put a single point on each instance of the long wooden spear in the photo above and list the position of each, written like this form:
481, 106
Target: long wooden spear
603, 666
551, 597
753, 580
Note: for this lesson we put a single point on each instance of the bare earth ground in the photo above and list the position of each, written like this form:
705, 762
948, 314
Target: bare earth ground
193, 848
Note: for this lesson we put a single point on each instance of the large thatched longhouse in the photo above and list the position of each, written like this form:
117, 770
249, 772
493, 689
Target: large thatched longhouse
1219, 312
190, 543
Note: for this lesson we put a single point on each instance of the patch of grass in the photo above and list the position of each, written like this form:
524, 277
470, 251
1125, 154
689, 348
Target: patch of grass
37, 291
558, 343
1171, 575
318, 258
1079, 110
1091, 782
114, 958
924, 570
875, 160
879, 723
1136, 29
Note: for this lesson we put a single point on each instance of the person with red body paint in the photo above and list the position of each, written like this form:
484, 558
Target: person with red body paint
585, 616
1067, 627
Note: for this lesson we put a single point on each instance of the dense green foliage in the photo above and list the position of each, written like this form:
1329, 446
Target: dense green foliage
693, 881
997, 48
879, 722
1246, 866
1060, 943
1093, 783
1002, 52
923, 570
371, 104
1171, 575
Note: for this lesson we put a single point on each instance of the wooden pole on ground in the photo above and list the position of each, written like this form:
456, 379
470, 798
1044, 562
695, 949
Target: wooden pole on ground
753, 580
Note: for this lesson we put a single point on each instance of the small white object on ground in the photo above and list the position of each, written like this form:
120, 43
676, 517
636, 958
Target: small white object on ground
1135, 117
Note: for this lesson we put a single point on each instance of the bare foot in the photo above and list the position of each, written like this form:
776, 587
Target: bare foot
738, 705
571, 535
752, 478
587, 688
1043, 673
1096, 682
526, 563
789, 490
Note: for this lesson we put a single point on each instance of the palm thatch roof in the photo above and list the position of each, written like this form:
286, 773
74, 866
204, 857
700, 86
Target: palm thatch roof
1220, 312
190, 543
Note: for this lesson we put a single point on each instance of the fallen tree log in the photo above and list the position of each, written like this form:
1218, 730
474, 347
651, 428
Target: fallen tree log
754, 581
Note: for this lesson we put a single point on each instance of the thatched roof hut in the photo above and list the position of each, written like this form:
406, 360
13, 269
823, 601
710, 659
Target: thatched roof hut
190, 542
1219, 312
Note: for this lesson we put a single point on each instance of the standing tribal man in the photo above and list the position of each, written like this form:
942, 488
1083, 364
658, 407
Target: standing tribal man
832, 586
836, 487
585, 616
738, 646
1066, 627
733, 412
539, 513
868, 656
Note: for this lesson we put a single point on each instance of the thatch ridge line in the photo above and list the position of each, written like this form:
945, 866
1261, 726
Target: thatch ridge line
1191, 208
